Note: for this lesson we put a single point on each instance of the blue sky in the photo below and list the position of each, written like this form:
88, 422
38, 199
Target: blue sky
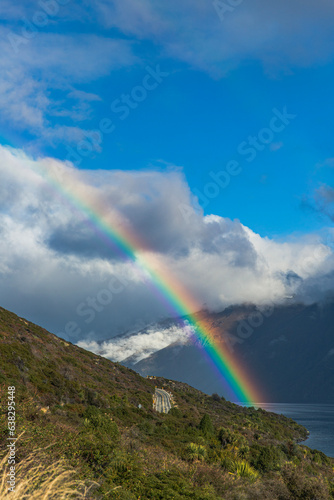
210, 133
199, 114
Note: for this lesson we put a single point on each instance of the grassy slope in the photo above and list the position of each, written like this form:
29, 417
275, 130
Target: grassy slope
85, 408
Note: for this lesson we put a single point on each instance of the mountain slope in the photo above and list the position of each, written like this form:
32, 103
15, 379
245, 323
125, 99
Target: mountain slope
86, 410
289, 350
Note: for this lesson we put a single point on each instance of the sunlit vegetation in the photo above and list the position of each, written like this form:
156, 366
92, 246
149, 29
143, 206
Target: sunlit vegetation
97, 420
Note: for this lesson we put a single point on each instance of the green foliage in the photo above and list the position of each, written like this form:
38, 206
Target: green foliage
95, 452
243, 452
100, 421
290, 448
266, 458
320, 458
86, 409
147, 428
195, 452
206, 425
175, 412
302, 487
243, 469
227, 437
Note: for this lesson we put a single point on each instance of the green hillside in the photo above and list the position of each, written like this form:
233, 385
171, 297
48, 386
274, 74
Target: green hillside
97, 417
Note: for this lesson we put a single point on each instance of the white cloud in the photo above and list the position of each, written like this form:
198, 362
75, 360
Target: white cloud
279, 34
40, 80
140, 345
53, 260
42, 74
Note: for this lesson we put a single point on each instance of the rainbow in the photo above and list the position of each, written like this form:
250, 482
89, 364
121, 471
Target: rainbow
121, 237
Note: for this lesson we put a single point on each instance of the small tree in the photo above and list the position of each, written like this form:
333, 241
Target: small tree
206, 425
216, 397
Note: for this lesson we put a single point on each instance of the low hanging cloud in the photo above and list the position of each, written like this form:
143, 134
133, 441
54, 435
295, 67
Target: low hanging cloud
139, 345
58, 270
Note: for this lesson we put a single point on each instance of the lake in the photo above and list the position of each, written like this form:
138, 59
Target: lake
318, 419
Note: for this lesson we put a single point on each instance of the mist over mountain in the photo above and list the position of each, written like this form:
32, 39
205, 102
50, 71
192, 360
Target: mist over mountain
289, 350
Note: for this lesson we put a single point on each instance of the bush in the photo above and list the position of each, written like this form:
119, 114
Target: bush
320, 458
267, 458
243, 451
100, 421
96, 453
227, 463
305, 488
147, 428
216, 397
243, 469
195, 452
175, 412
226, 437
290, 449
206, 425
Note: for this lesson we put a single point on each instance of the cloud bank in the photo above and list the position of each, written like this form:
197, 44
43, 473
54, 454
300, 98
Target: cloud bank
57, 270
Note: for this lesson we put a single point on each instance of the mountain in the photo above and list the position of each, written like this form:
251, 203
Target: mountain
96, 417
289, 350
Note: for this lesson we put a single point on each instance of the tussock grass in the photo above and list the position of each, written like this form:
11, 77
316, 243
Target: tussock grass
243, 469
35, 481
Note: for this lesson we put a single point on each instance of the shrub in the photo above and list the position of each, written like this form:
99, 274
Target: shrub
216, 397
267, 458
146, 427
227, 463
243, 469
226, 437
320, 458
175, 412
305, 488
243, 451
195, 452
206, 425
100, 421
290, 449
96, 453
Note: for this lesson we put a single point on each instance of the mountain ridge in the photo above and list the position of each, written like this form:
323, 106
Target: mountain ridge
289, 347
